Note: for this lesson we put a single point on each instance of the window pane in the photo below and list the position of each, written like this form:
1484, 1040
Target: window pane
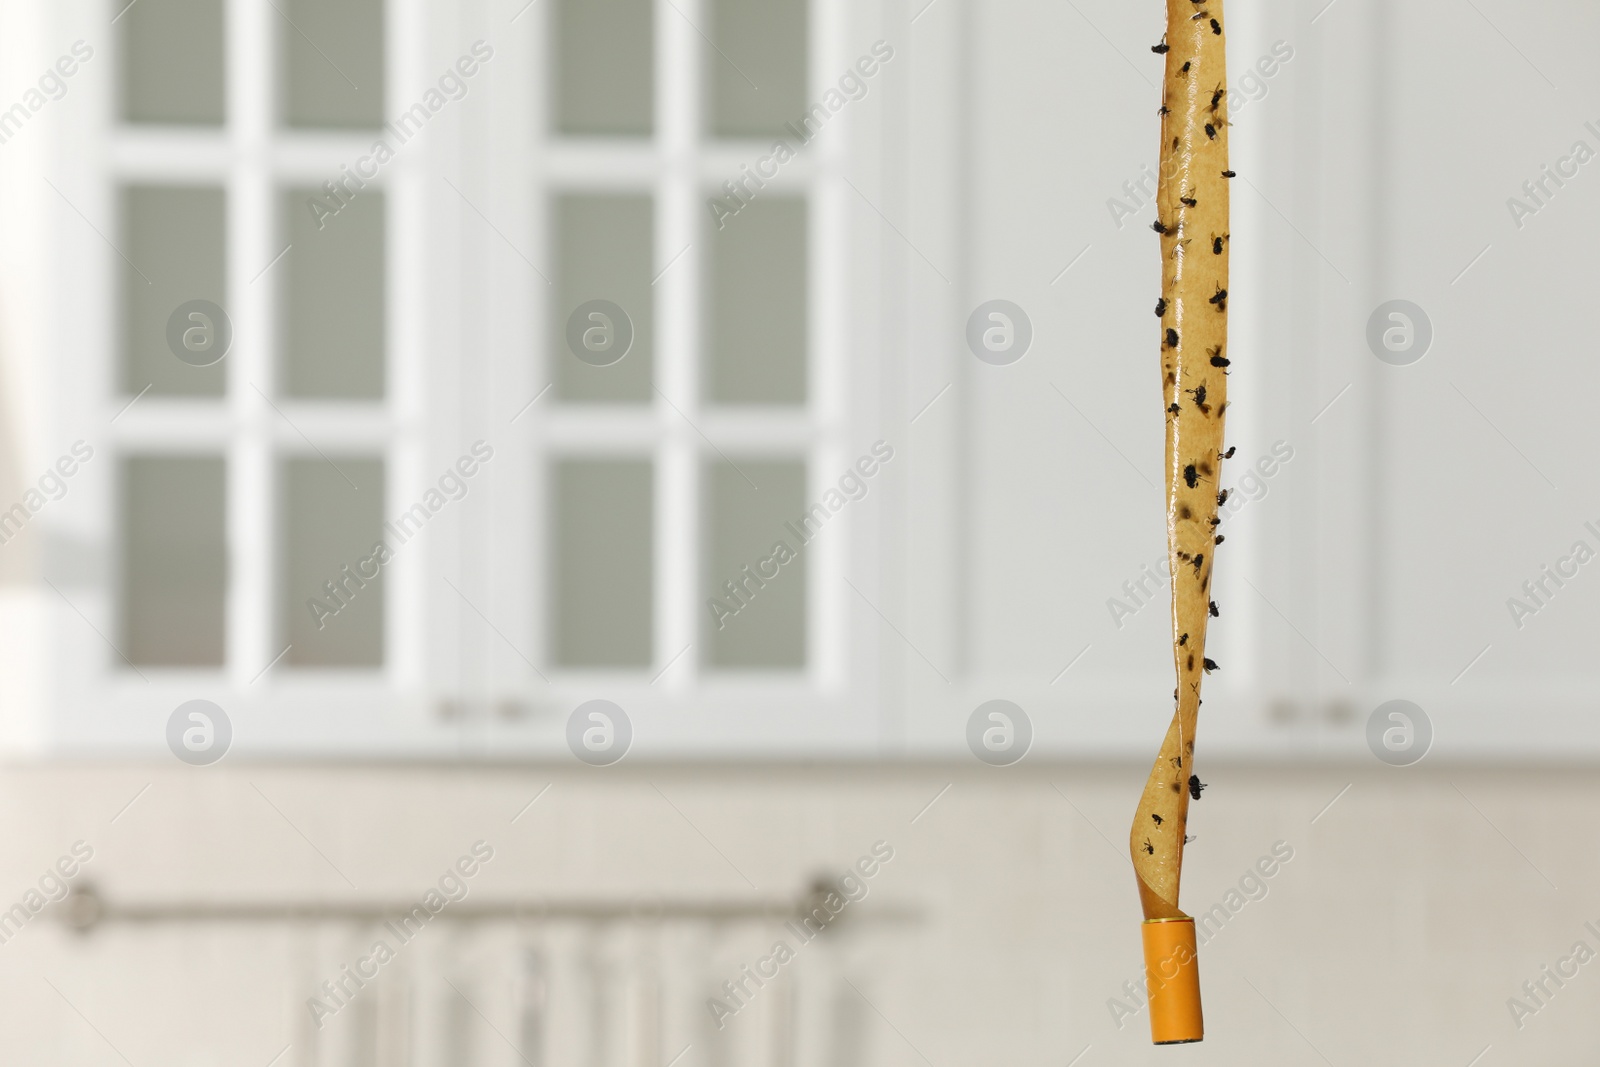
174, 561
605, 67
172, 55
757, 304
332, 580
758, 67
601, 566
173, 239
603, 252
333, 296
755, 576
335, 61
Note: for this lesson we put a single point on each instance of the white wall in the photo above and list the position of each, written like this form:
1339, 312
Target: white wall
1395, 934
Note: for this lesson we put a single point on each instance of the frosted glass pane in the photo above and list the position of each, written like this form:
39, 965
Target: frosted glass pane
756, 322
174, 239
172, 61
335, 69
605, 67
333, 586
601, 565
758, 68
332, 281
174, 561
755, 613
603, 247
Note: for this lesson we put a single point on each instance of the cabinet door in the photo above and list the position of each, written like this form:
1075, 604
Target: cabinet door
1473, 488
1036, 568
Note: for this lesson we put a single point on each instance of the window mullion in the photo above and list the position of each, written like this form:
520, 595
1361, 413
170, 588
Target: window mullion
833, 445
677, 297
252, 285
421, 377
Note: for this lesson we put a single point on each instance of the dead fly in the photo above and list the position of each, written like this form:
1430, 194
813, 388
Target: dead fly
1216, 246
1161, 49
1190, 477
1229, 174
1216, 97
1196, 786
1184, 640
1211, 131
1190, 837
1161, 307
1216, 27
1220, 299
1174, 409
1222, 497
1229, 453
1172, 338
1186, 66
1218, 359
1159, 226
1200, 561
1215, 614
1210, 665
1220, 538
1149, 849
1199, 394
1156, 817
1188, 201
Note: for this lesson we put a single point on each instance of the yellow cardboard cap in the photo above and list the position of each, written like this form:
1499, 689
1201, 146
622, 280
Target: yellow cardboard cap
1172, 968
